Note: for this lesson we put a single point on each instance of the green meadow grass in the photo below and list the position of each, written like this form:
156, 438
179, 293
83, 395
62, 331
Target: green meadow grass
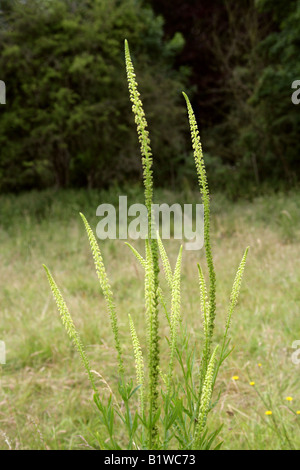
45, 397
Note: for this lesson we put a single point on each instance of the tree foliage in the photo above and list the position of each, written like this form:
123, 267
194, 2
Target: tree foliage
244, 58
278, 117
66, 118
66, 121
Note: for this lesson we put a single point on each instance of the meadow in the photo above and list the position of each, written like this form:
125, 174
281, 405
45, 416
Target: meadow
45, 397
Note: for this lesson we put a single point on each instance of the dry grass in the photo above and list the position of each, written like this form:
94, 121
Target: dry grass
45, 400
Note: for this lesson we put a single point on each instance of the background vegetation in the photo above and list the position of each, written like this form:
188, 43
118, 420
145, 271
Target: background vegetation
67, 122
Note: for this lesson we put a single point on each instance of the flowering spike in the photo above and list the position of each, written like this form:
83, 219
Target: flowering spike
206, 396
69, 326
165, 262
175, 315
139, 363
198, 156
106, 289
236, 290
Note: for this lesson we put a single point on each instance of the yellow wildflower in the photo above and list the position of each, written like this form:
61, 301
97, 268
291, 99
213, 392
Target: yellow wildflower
235, 377
289, 398
252, 383
268, 413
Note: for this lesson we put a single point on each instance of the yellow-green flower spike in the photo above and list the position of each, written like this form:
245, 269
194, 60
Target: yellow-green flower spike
106, 289
175, 315
139, 363
69, 326
205, 397
199, 161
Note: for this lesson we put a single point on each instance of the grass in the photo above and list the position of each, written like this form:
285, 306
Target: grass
45, 397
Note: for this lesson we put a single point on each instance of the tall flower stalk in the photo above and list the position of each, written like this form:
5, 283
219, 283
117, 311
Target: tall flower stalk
202, 179
152, 266
169, 412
